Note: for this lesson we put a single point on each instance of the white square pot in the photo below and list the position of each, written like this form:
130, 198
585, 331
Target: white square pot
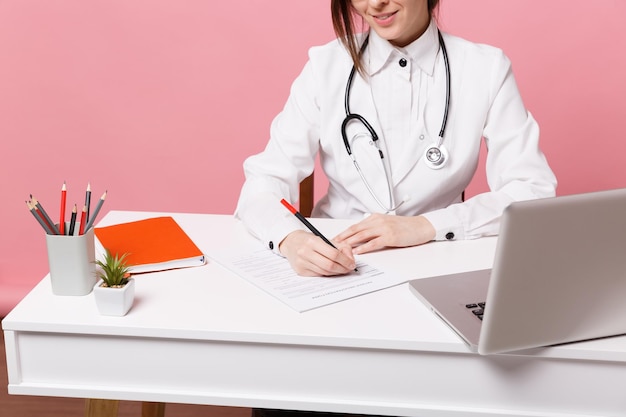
114, 301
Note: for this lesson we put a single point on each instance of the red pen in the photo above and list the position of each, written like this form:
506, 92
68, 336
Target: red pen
307, 224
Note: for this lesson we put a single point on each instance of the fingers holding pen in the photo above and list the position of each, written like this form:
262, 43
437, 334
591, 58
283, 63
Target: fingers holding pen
309, 255
315, 254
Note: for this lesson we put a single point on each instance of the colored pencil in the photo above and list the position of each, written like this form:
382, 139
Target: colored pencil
96, 211
41, 221
87, 202
73, 221
43, 213
62, 210
83, 219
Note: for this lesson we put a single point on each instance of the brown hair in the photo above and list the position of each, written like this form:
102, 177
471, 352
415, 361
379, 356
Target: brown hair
344, 24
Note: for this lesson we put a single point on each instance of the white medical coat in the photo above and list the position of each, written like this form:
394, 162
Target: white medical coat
405, 106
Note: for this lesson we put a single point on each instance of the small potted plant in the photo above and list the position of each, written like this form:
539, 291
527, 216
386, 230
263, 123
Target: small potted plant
115, 291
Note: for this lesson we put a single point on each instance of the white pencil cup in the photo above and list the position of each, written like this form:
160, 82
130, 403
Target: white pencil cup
71, 260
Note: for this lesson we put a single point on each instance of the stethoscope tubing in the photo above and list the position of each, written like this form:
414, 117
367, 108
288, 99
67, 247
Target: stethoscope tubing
352, 116
374, 136
446, 63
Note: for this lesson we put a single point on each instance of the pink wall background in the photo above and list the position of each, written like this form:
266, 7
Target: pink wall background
160, 101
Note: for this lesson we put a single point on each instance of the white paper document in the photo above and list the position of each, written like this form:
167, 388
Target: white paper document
273, 274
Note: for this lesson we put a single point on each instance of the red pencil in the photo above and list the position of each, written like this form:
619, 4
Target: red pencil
62, 211
83, 218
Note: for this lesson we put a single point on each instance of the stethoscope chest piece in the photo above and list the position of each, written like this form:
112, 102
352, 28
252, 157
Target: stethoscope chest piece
436, 156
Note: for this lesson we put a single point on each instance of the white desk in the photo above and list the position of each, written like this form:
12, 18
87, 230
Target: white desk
205, 336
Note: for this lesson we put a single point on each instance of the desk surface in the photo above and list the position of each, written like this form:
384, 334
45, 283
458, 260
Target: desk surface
203, 335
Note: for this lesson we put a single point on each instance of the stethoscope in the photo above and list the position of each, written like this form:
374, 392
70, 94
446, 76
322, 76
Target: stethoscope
435, 156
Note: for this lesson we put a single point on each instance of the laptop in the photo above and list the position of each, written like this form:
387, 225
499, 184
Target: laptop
559, 275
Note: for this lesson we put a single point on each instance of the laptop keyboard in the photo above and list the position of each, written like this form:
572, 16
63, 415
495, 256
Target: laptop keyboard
478, 309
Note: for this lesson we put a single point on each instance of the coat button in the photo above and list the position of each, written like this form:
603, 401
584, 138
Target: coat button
449, 235
402, 62
271, 245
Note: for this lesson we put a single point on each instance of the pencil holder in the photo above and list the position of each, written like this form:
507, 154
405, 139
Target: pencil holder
71, 261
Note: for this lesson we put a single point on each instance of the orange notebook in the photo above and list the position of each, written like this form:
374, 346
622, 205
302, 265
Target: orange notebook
153, 244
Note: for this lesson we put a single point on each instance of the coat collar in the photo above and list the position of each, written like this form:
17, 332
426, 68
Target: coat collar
422, 52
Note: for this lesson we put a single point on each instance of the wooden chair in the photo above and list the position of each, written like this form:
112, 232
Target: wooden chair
306, 196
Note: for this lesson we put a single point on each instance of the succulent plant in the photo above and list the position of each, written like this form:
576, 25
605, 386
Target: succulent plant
114, 271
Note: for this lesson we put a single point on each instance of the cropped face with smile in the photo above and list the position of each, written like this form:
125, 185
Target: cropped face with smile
398, 21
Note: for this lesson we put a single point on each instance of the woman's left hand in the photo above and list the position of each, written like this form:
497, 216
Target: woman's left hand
378, 231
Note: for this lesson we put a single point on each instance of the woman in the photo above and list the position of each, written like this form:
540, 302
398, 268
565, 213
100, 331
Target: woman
429, 97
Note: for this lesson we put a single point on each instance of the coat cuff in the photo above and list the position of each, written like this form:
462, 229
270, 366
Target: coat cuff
447, 225
280, 232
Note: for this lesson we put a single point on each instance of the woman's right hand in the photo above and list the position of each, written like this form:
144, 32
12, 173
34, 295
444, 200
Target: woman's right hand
309, 255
